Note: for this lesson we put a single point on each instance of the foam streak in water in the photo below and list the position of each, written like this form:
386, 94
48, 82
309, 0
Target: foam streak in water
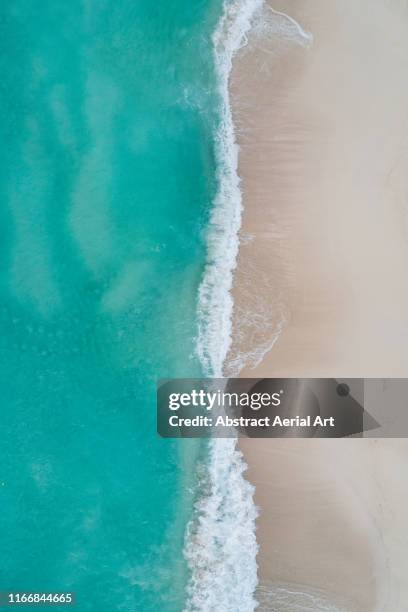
307, 36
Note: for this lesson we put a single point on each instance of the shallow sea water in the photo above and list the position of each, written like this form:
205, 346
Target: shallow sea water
107, 179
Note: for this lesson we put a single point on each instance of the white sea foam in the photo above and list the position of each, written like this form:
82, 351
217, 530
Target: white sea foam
215, 301
285, 26
221, 544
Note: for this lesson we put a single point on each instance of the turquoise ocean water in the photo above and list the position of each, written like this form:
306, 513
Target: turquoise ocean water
107, 177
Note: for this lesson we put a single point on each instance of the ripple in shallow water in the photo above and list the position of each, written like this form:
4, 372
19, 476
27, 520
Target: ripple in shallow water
294, 599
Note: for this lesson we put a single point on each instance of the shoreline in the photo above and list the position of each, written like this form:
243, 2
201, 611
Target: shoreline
321, 289
216, 566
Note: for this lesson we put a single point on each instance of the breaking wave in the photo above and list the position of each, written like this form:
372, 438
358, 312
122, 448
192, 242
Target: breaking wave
221, 543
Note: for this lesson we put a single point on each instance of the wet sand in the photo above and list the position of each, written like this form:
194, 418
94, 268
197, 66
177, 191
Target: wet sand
321, 287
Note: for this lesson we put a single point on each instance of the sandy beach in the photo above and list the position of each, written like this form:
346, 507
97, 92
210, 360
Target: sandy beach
321, 287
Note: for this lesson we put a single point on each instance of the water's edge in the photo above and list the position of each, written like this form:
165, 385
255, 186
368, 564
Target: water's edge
221, 545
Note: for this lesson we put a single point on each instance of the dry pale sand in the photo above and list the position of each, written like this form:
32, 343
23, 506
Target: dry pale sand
321, 287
